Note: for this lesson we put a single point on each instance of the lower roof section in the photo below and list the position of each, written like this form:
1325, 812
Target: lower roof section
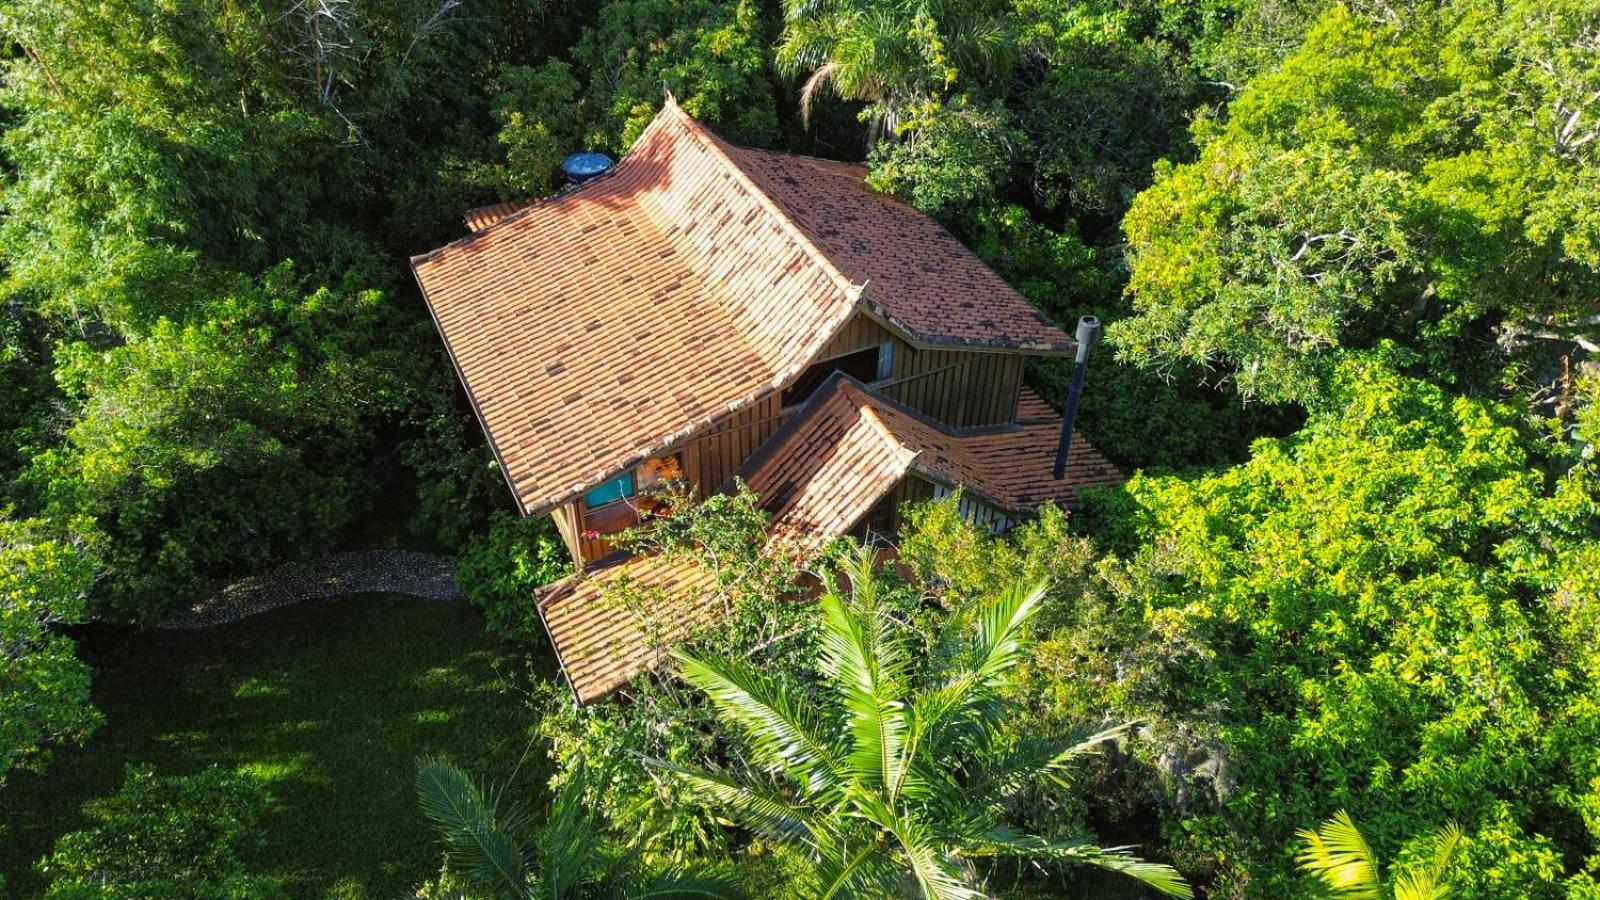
820, 475
610, 625
849, 447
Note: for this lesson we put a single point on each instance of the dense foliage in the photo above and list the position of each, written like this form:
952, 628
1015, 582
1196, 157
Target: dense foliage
219, 446
499, 570
163, 836
44, 688
1390, 612
1429, 178
895, 765
492, 842
1349, 253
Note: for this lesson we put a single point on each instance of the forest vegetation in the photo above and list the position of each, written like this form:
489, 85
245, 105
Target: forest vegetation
1346, 609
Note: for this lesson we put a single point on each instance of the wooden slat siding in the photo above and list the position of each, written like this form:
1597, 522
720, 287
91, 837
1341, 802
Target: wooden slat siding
959, 388
862, 332
978, 513
591, 548
720, 452
708, 461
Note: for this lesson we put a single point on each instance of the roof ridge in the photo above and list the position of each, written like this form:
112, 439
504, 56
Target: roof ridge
716, 145
859, 398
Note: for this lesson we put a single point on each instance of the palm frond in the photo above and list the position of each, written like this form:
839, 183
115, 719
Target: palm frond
1431, 882
570, 842
1006, 842
689, 885
808, 91
781, 734
1001, 626
482, 840
760, 812
866, 664
1338, 855
969, 698
924, 854
844, 872
1030, 759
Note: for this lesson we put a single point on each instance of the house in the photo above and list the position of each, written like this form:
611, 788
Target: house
702, 311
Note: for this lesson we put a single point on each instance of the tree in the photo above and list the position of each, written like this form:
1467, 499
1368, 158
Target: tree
711, 54
493, 843
44, 688
1340, 858
208, 450
892, 55
895, 775
1103, 93
1425, 178
499, 570
165, 838
1388, 612
148, 134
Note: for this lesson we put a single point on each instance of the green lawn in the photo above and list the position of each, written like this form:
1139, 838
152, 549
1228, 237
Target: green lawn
328, 703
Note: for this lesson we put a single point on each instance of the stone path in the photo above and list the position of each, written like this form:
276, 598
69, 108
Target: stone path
425, 575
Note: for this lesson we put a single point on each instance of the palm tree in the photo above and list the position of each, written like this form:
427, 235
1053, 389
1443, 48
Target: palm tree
888, 53
894, 777
1340, 858
495, 845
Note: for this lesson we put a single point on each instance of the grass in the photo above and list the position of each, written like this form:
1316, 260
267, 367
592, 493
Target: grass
328, 703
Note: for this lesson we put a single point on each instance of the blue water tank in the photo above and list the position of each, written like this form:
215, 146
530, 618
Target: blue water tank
581, 167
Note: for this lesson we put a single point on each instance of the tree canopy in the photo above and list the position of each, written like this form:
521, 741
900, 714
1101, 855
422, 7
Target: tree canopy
1428, 179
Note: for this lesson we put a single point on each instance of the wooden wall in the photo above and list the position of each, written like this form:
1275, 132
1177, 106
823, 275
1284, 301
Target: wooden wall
708, 460
713, 457
961, 388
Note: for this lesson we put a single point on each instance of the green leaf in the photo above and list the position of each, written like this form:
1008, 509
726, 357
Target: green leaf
1006, 842
781, 821
481, 841
1338, 855
783, 737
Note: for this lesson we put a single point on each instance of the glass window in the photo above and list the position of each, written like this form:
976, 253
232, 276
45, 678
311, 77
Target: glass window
610, 492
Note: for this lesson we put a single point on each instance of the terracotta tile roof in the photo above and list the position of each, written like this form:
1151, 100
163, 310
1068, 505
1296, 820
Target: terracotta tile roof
849, 447
918, 277
613, 320
484, 216
841, 454
603, 643
629, 312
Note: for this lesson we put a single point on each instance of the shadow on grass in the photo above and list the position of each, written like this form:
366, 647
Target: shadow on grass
328, 703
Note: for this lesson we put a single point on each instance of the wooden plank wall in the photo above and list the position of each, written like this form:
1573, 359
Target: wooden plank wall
589, 548
713, 457
708, 461
961, 388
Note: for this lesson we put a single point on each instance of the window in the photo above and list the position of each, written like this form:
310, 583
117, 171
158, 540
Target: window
869, 365
616, 489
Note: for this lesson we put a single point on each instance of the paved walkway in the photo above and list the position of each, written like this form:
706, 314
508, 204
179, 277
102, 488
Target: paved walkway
425, 575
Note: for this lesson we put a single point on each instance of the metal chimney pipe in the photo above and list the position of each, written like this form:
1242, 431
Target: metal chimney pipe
1088, 333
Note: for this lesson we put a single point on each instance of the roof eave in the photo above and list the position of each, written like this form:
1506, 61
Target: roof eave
921, 341
472, 398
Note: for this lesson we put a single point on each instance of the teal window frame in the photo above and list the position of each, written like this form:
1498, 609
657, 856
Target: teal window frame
619, 488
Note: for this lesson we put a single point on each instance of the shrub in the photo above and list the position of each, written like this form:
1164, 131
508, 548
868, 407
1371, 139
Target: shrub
159, 837
1391, 612
44, 688
500, 568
